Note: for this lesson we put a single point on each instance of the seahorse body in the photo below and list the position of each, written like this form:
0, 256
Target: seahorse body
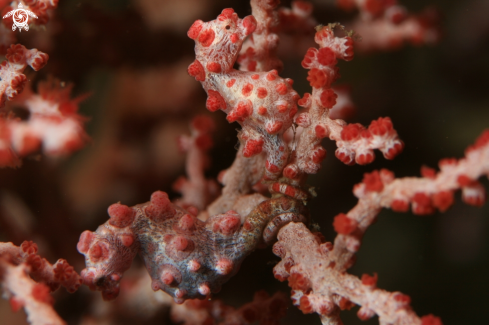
185, 257
262, 102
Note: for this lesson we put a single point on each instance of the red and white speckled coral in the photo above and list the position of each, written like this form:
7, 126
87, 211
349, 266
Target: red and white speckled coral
258, 53
317, 275
25, 292
54, 276
27, 280
355, 143
425, 195
12, 83
197, 191
53, 124
320, 286
190, 258
12, 79
252, 99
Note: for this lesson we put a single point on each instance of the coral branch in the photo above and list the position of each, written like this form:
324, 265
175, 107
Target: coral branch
380, 190
355, 143
317, 275
12, 79
238, 181
54, 276
319, 286
259, 52
27, 280
25, 292
197, 191
53, 123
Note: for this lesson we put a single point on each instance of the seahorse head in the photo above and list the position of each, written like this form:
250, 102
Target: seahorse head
107, 256
218, 42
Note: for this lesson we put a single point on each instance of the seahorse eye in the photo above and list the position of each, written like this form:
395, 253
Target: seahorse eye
228, 27
100, 281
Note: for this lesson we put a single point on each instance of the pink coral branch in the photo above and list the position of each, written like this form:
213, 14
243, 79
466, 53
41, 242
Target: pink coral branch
54, 276
197, 191
355, 143
319, 286
27, 280
238, 181
53, 123
23, 291
259, 52
317, 275
435, 191
12, 79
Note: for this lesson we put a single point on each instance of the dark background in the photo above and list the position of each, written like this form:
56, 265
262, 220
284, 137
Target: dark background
437, 97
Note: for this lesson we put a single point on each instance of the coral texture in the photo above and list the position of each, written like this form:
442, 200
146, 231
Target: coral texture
53, 124
192, 245
13, 80
27, 280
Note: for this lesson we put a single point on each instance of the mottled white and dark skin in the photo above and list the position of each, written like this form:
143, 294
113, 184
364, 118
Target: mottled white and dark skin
185, 257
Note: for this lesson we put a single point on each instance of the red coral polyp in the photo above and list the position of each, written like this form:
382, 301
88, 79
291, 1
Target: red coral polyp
344, 225
328, 98
373, 182
40, 292
15, 54
317, 78
249, 23
326, 56
421, 204
381, 127
29, 247
351, 132
369, 280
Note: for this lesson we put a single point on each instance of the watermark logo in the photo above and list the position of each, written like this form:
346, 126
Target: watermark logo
20, 17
